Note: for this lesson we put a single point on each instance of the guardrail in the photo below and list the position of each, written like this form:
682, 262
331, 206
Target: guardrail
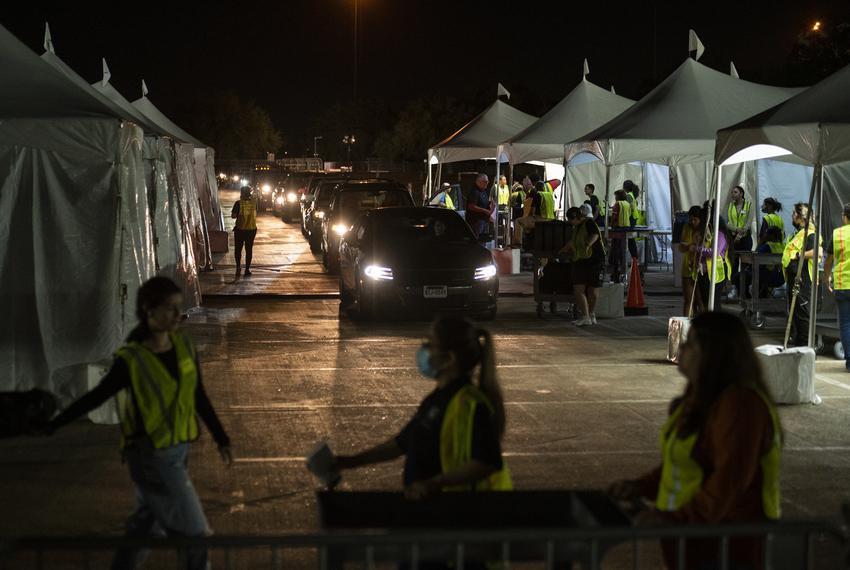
788, 544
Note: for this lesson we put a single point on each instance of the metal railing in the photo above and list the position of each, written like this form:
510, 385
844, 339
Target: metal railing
789, 544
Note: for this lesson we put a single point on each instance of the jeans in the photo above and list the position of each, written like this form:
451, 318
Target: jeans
246, 238
842, 301
166, 503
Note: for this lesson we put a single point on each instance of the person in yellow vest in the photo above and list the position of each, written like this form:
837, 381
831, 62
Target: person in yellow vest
770, 208
443, 199
453, 442
533, 211
245, 230
739, 218
790, 258
691, 234
156, 381
621, 219
770, 275
547, 196
587, 252
721, 447
503, 192
632, 191
704, 263
837, 271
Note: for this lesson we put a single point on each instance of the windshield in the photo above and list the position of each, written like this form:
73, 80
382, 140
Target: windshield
426, 227
353, 201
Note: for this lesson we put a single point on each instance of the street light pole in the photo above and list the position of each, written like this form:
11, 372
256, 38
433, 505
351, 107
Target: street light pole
315, 146
355, 49
349, 140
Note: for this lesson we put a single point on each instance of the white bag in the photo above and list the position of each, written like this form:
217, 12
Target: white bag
677, 332
609, 301
789, 374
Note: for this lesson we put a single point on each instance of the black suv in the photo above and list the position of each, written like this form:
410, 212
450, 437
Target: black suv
348, 201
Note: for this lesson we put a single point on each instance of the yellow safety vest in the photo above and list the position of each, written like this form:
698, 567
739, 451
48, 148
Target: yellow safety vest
166, 404
841, 257
724, 268
775, 221
688, 257
517, 194
738, 220
792, 251
624, 219
456, 440
547, 204
775, 247
581, 236
682, 476
504, 195
448, 202
247, 219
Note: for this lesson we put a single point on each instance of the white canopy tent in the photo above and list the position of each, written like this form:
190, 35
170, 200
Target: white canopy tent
584, 108
675, 123
174, 239
72, 220
813, 126
200, 191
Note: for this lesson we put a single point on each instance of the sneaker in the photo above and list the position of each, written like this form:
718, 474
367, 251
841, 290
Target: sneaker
586, 321
247, 271
593, 318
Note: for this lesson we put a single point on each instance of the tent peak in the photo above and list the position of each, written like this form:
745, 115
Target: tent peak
144, 89
48, 39
586, 70
500, 90
695, 45
733, 71
106, 73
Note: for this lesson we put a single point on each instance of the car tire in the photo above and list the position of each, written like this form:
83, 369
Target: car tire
346, 298
315, 243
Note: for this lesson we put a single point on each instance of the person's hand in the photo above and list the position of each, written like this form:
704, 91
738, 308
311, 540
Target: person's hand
829, 286
651, 517
626, 490
422, 489
226, 454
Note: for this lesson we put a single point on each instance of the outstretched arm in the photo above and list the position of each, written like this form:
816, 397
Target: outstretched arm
386, 451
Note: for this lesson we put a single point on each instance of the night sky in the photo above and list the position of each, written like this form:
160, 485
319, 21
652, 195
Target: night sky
295, 57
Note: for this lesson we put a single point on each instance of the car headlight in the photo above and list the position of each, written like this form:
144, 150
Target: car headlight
292, 197
266, 188
486, 272
318, 214
378, 272
340, 229
279, 200
244, 182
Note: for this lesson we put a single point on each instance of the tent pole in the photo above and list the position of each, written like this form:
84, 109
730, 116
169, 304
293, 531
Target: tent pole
428, 185
718, 171
607, 197
564, 189
813, 300
496, 209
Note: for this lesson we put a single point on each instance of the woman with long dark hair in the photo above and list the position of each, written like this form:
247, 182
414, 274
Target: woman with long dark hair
720, 446
704, 266
801, 249
453, 442
156, 379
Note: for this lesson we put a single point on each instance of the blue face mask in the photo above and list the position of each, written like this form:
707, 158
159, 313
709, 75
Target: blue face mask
424, 364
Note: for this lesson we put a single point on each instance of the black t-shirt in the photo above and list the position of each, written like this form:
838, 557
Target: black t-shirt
597, 253
594, 203
420, 438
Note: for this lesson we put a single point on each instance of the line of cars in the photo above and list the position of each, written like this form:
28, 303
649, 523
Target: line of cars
392, 256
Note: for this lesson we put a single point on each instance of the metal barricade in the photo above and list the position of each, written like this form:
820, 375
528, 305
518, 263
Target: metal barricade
555, 548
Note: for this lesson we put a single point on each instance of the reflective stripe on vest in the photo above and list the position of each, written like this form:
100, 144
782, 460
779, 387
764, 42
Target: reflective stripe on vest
247, 219
841, 257
166, 404
792, 251
737, 220
456, 440
682, 476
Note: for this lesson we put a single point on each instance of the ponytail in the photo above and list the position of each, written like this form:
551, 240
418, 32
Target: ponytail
488, 381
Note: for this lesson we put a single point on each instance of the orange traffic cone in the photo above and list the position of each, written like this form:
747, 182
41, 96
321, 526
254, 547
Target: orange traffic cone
635, 305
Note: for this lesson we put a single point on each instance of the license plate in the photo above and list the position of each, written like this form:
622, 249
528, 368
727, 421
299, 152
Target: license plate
435, 291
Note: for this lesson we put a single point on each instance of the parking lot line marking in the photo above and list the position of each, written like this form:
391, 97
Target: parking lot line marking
833, 382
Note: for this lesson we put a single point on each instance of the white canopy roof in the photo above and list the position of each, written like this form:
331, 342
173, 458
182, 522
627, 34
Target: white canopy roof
107, 90
154, 115
481, 136
30, 87
585, 108
814, 125
678, 120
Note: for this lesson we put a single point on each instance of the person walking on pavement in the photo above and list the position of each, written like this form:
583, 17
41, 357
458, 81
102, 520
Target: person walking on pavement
739, 218
837, 271
479, 207
794, 250
587, 253
156, 380
453, 442
720, 447
245, 213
